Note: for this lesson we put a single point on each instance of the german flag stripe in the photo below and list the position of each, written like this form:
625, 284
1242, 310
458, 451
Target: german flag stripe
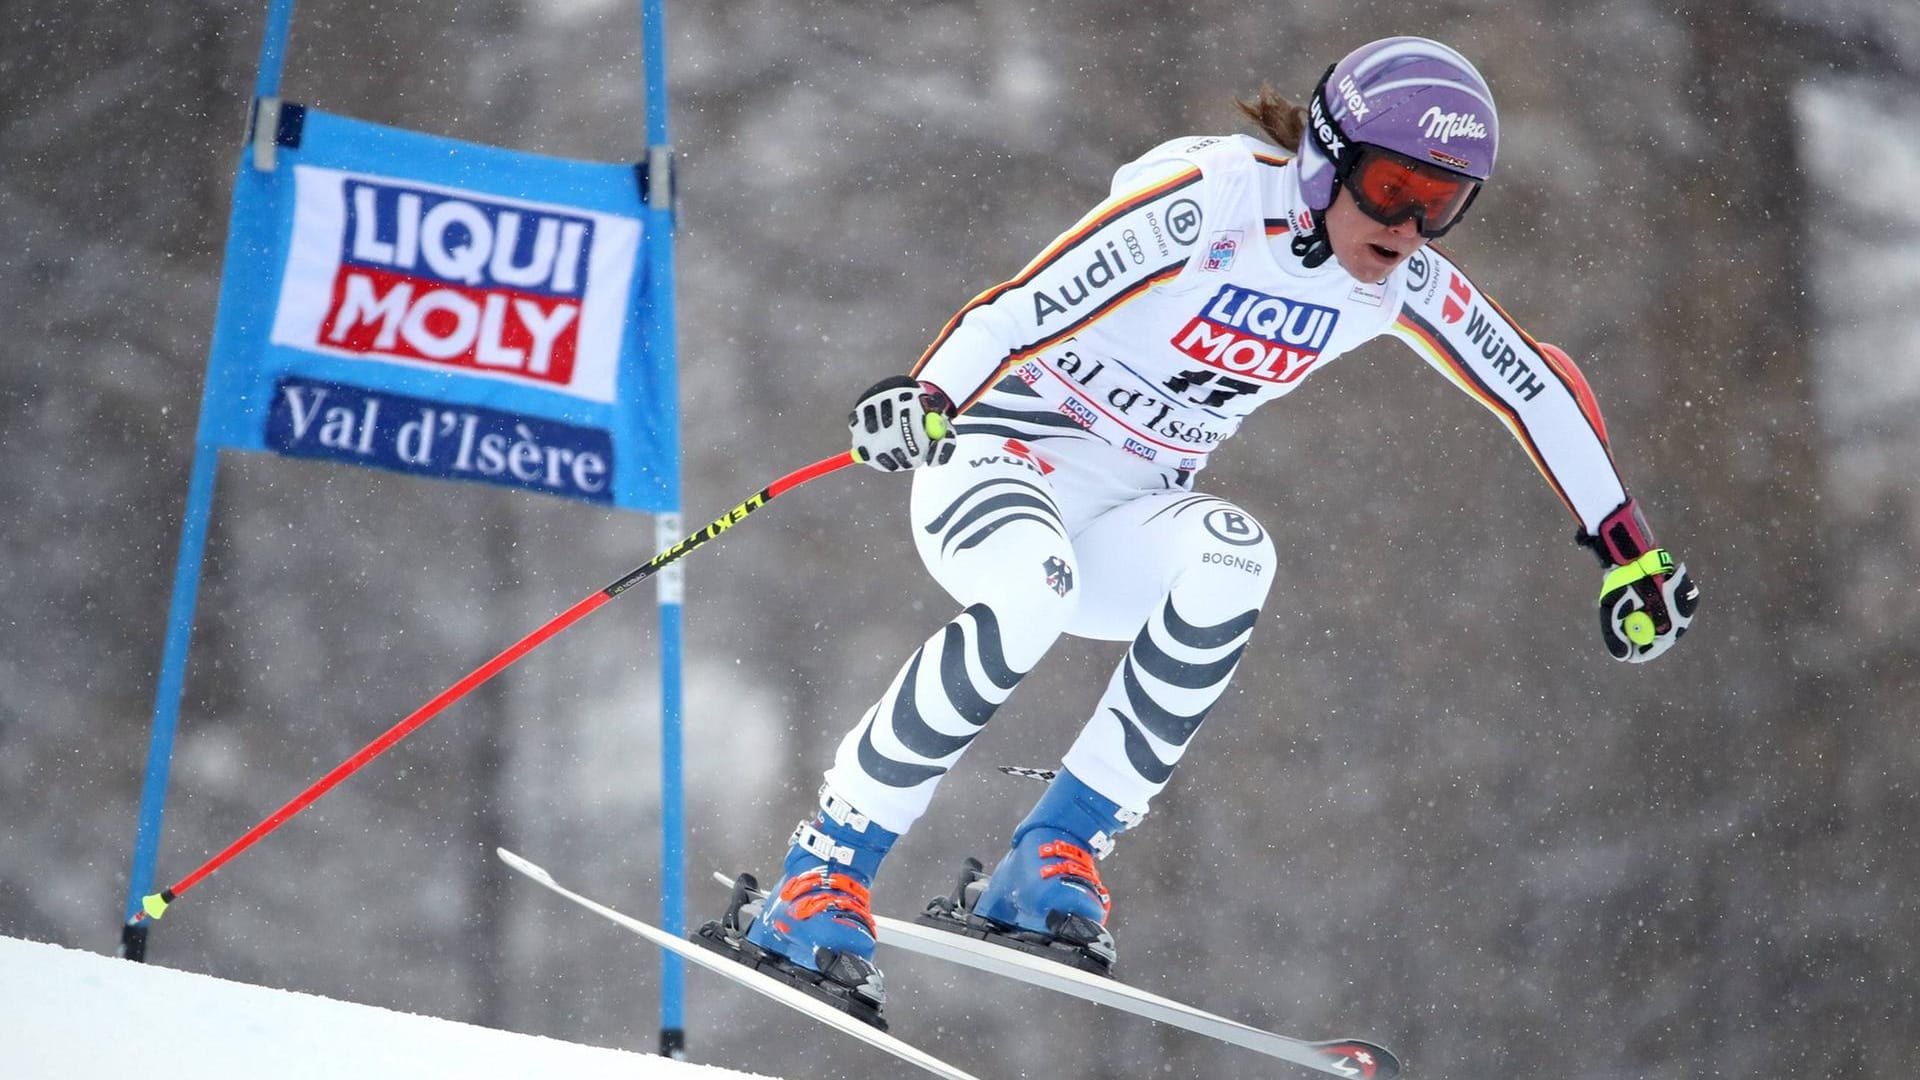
1275, 226
1165, 273
1434, 346
1575, 383
1059, 250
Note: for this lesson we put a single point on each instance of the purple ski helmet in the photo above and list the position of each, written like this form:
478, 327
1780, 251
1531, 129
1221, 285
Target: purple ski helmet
1409, 95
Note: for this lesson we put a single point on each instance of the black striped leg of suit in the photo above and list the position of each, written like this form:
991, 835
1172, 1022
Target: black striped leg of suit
1171, 677
934, 710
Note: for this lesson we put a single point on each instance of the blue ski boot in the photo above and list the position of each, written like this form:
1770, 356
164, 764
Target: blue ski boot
1046, 897
814, 929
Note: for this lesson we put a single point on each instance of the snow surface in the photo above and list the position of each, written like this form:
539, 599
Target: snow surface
72, 1014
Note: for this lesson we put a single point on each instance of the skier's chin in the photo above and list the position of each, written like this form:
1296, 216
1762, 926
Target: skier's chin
1370, 263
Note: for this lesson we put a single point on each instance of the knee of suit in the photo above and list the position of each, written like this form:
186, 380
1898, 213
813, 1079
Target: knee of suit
1239, 560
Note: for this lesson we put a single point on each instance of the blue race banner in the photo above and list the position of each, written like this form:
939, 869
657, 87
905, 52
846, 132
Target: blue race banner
414, 303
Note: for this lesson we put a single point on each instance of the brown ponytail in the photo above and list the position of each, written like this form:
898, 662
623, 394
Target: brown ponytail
1280, 120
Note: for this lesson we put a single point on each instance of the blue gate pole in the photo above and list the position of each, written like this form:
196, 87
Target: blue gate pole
662, 334
186, 581
166, 703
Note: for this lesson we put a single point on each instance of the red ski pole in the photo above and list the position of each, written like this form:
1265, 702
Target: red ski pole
155, 905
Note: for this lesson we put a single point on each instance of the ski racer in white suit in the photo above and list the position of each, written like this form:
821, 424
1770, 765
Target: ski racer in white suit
1070, 412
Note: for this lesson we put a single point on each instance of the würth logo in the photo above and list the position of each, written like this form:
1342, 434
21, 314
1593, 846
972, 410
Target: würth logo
1459, 295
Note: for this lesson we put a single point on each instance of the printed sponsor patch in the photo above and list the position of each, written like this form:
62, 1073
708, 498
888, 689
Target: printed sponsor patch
1252, 334
397, 271
1459, 295
1221, 251
1183, 222
1025, 453
1234, 527
1059, 574
1078, 411
1419, 272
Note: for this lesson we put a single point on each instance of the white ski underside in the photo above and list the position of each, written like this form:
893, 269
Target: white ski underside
1052, 975
745, 976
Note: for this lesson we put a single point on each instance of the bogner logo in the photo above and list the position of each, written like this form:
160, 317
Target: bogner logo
1107, 265
1258, 336
1445, 125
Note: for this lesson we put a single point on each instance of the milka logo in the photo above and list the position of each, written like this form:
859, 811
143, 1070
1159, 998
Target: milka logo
1445, 125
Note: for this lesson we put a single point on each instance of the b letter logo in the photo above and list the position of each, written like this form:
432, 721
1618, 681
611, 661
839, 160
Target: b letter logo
1234, 527
1183, 221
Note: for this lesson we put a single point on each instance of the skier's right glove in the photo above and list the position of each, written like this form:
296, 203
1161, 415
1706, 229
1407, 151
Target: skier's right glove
900, 423
1646, 602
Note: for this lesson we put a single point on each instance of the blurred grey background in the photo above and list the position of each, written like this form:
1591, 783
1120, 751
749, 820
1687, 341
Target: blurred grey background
1432, 810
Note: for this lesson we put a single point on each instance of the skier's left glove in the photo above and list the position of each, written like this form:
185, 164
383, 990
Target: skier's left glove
901, 423
1646, 601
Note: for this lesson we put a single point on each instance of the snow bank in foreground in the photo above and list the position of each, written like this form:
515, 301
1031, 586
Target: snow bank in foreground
75, 1014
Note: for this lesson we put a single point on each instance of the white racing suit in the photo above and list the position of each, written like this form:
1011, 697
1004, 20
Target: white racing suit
1092, 387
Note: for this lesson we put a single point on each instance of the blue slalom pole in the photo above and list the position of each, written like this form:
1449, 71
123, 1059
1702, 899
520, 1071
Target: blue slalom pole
166, 704
186, 586
661, 315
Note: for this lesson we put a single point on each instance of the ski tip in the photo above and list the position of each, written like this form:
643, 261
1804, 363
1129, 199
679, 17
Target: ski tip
529, 868
1359, 1058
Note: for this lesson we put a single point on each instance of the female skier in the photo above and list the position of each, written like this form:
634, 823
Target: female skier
1069, 411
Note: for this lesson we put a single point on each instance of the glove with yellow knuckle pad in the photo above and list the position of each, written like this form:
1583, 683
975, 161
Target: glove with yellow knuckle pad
1646, 600
902, 423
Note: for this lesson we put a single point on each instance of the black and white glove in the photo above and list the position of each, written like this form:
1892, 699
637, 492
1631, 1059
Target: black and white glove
900, 423
1646, 602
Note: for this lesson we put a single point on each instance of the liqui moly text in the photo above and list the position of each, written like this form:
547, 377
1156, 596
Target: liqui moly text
401, 271
459, 281
1257, 336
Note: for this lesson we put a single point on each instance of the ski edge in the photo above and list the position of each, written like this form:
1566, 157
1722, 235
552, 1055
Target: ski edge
1331, 1056
740, 974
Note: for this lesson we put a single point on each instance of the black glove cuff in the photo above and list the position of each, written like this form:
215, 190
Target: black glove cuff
1623, 537
937, 400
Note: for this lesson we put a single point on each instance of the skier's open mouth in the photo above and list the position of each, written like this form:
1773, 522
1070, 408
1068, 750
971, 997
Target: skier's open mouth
1385, 252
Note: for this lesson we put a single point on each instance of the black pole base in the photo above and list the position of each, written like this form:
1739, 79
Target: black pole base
133, 942
673, 1043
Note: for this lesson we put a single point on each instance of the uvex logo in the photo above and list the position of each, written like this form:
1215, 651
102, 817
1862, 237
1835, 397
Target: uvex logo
1323, 128
1356, 101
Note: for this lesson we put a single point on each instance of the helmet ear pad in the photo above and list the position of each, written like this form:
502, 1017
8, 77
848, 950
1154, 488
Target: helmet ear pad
1319, 164
1325, 156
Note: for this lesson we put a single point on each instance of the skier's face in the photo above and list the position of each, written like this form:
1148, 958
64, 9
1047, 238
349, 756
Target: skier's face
1365, 248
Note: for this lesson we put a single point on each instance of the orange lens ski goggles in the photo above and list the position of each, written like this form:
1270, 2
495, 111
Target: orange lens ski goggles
1391, 187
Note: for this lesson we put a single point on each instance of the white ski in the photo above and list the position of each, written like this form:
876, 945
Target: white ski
752, 980
1353, 1058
